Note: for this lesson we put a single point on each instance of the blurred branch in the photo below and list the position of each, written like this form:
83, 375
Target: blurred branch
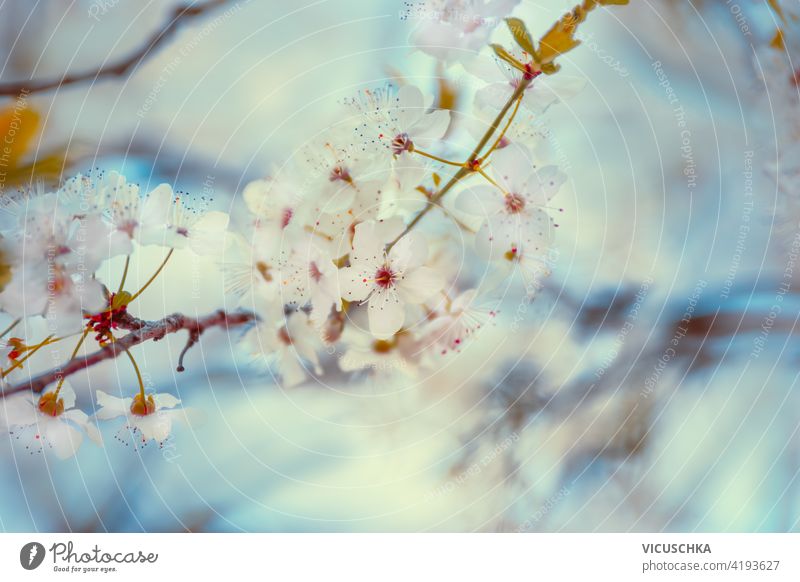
124, 67
140, 332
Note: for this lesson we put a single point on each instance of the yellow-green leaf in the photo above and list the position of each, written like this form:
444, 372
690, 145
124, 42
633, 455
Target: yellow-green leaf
560, 38
520, 33
18, 126
507, 57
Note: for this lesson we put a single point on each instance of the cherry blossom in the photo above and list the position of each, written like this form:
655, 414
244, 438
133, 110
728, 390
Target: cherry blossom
52, 256
201, 231
146, 419
134, 217
288, 348
455, 29
498, 82
48, 422
462, 318
388, 281
514, 210
399, 120
327, 254
309, 275
364, 353
337, 175
278, 211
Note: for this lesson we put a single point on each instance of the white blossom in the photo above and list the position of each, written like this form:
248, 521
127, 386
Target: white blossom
388, 281
48, 422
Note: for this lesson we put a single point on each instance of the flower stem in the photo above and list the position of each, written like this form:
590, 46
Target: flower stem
33, 350
505, 129
492, 182
14, 324
138, 373
153, 278
437, 158
124, 274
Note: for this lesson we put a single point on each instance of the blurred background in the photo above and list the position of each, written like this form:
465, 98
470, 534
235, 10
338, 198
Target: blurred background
651, 386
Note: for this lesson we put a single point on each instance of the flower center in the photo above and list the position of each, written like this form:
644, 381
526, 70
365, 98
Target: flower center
264, 270
143, 406
512, 254
514, 203
286, 217
382, 346
401, 143
107, 320
283, 335
314, 272
340, 173
385, 277
50, 404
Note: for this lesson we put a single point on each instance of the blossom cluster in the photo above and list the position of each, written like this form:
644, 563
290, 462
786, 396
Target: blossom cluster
335, 255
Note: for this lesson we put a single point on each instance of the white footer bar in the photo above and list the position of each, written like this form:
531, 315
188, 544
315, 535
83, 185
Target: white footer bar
402, 557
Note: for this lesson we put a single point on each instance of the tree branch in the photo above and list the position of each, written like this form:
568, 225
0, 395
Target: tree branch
140, 332
122, 68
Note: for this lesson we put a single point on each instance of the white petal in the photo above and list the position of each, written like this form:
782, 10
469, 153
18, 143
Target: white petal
157, 206
544, 184
255, 197
207, 236
165, 400
487, 246
420, 284
480, 201
291, 370
67, 393
409, 172
493, 96
386, 314
17, 410
464, 301
80, 418
412, 106
355, 283
410, 252
430, 128
511, 166
64, 438
111, 406
154, 426
372, 236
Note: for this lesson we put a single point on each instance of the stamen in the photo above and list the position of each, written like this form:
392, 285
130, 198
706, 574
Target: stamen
385, 277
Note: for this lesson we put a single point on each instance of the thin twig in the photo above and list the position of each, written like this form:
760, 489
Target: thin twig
140, 332
119, 69
194, 337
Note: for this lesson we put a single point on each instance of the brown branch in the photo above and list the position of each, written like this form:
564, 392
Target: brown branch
122, 68
140, 332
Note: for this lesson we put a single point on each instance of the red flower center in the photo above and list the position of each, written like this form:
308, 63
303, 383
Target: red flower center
340, 173
385, 277
286, 217
401, 144
514, 203
314, 272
